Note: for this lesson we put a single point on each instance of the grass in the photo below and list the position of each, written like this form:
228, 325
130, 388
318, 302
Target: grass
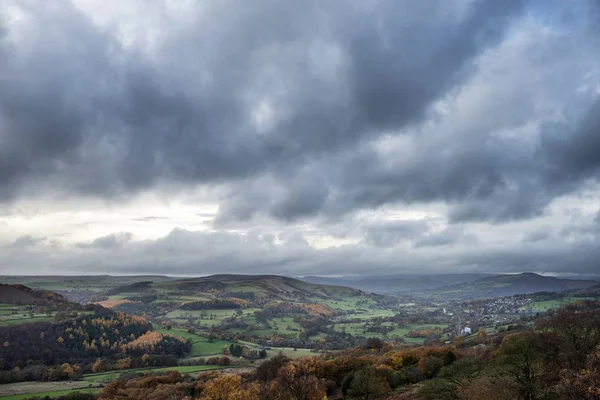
24, 320
360, 329
290, 353
55, 393
103, 377
541, 306
285, 326
200, 345
8, 318
414, 340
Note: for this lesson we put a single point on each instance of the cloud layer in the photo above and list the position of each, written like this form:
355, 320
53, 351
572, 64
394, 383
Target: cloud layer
308, 127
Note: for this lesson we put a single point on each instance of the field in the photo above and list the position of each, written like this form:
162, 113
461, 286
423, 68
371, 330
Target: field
541, 306
200, 345
50, 394
105, 377
14, 314
282, 303
362, 329
28, 389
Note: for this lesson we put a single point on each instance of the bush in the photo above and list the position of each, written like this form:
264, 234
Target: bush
224, 361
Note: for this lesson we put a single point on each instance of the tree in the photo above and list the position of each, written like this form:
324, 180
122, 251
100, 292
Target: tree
450, 380
430, 366
236, 350
367, 384
373, 343
583, 384
100, 365
488, 388
299, 381
520, 358
224, 361
229, 387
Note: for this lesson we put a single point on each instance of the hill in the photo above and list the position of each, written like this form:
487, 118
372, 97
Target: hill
272, 286
510, 285
250, 307
78, 288
395, 284
20, 294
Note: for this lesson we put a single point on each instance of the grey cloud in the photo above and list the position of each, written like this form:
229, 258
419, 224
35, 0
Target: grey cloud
27, 241
390, 233
471, 163
109, 121
308, 114
114, 240
449, 236
537, 236
185, 252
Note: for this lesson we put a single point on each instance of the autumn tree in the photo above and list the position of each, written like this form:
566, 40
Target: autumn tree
100, 365
367, 384
229, 387
299, 380
521, 361
583, 384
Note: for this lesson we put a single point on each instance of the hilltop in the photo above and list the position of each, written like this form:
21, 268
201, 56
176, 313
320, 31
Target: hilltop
20, 294
509, 285
262, 286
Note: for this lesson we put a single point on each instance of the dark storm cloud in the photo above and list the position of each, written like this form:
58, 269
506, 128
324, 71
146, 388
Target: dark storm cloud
81, 112
309, 114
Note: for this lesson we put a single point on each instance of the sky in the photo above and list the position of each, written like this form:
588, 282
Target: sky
333, 138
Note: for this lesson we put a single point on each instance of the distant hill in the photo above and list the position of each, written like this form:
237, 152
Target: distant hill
509, 285
79, 288
19, 294
255, 286
183, 299
396, 284
23, 295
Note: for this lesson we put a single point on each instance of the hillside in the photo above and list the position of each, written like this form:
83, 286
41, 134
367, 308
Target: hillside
251, 307
78, 288
257, 286
395, 284
509, 285
20, 294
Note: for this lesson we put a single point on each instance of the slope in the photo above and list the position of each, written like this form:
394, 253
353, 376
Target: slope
509, 285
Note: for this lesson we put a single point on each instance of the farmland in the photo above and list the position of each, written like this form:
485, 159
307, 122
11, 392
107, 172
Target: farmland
13, 314
201, 346
105, 377
28, 389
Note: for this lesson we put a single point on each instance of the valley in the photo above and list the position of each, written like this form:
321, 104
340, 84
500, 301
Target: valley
193, 326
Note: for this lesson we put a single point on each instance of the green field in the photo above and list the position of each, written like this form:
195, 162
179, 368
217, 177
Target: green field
112, 375
200, 345
290, 353
361, 329
9, 317
55, 393
541, 306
